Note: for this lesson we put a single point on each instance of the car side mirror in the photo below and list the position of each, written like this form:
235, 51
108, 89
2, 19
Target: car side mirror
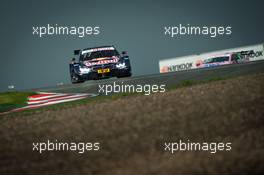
73, 61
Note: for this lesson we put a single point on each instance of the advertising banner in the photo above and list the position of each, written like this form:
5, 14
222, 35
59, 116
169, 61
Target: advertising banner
213, 59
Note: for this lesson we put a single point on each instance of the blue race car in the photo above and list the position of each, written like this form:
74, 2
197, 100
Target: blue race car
98, 63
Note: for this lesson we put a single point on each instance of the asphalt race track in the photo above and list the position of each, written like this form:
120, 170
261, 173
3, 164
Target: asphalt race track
169, 79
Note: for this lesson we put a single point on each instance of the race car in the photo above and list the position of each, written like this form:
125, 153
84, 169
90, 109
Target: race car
98, 63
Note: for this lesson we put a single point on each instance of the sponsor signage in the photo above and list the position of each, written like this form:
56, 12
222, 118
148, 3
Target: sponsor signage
213, 59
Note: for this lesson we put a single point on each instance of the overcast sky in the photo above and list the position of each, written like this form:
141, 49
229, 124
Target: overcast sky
137, 26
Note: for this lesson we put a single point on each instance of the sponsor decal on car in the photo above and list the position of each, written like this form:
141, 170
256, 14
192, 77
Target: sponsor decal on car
102, 71
98, 49
88, 63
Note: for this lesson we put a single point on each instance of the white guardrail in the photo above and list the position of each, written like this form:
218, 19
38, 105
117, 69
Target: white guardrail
212, 59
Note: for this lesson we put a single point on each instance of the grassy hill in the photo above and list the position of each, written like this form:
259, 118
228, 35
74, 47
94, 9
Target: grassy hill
132, 131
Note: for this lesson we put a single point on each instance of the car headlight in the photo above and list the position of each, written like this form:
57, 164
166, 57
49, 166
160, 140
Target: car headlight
85, 70
121, 65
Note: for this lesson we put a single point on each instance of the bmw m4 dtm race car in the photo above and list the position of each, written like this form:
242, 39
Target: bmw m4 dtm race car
98, 63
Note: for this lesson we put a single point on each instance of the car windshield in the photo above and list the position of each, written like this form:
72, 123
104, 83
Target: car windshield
100, 54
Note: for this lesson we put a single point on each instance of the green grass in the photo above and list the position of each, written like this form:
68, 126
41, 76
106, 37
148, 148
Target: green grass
11, 100
187, 83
